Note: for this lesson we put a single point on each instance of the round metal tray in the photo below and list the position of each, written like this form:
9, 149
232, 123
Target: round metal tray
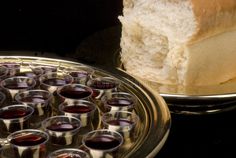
154, 124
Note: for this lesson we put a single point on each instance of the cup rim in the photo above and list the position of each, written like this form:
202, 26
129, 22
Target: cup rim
28, 130
27, 68
79, 68
18, 105
77, 102
133, 98
106, 78
14, 77
16, 61
51, 73
33, 90
74, 84
127, 112
60, 116
108, 132
68, 149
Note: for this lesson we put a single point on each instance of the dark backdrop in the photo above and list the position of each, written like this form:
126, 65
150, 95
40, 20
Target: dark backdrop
62, 26
54, 27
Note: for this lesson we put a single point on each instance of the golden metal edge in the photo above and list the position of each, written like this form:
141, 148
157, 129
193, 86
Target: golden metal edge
157, 144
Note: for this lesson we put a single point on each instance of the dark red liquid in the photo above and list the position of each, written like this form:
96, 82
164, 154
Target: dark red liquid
28, 140
103, 142
79, 74
120, 122
62, 127
119, 102
17, 85
77, 109
14, 113
55, 82
34, 99
103, 85
68, 156
75, 93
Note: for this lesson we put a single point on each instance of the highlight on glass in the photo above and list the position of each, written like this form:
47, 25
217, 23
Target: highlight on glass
63, 130
29, 143
69, 153
102, 143
14, 118
81, 109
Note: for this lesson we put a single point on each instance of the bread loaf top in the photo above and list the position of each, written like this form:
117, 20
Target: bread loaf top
213, 17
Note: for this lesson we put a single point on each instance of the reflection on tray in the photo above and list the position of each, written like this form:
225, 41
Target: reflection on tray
111, 112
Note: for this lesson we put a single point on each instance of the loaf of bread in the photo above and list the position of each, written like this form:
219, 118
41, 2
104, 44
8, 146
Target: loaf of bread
184, 42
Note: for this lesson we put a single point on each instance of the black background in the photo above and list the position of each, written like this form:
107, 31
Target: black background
54, 26
208, 136
61, 26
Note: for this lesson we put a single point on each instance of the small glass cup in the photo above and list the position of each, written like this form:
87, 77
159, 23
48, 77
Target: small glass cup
52, 81
45, 65
29, 143
63, 130
17, 84
73, 92
103, 86
81, 109
12, 64
69, 153
40, 100
119, 101
81, 74
121, 121
3, 72
102, 143
14, 117
26, 71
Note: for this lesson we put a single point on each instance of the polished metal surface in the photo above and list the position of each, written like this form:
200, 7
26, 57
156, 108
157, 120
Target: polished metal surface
155, 121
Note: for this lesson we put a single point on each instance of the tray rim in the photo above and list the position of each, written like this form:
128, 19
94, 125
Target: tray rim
154, 97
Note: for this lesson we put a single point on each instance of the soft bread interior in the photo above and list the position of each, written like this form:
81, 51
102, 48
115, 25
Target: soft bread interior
153, 37
184, 42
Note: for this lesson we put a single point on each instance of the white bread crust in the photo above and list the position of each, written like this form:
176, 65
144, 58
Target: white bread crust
161, 38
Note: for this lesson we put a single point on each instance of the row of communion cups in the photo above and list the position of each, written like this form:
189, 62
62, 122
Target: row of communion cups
65, 106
